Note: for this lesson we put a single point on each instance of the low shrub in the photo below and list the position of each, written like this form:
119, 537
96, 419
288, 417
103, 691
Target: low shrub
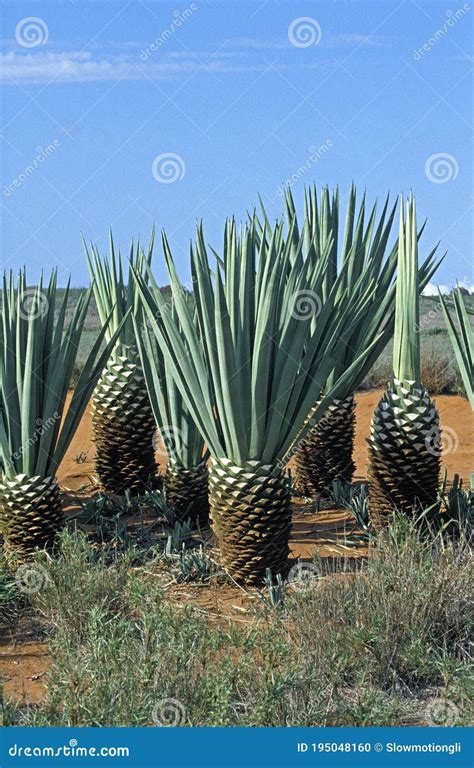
371, 647
439, 370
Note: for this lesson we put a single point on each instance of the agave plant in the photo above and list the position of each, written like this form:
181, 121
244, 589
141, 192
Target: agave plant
367, 268
404, 445
462, 340
249, 374
122, 417
186, 478
37, 356
326, 454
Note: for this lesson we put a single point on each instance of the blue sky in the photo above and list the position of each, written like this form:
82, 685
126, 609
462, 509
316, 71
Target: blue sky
235, 99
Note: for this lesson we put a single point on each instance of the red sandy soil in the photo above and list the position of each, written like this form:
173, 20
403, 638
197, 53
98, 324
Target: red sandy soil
456, 419
24, 666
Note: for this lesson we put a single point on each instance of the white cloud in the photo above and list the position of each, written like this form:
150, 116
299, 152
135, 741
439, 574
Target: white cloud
80, 66
238, 55
69, 67
354, 38
432, 290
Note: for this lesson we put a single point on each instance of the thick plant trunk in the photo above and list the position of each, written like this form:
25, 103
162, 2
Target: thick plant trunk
187, 492
404, 453
251, 517
30, 513
326, 453
123, 427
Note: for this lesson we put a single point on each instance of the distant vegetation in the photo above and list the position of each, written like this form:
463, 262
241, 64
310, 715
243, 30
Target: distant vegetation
439, 370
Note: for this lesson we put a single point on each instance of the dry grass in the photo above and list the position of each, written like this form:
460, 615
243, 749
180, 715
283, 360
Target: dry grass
439, 371
369, 648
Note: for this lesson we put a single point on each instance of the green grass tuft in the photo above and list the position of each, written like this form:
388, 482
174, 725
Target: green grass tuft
374, 647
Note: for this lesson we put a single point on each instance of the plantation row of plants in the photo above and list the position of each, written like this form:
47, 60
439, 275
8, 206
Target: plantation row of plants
257, 364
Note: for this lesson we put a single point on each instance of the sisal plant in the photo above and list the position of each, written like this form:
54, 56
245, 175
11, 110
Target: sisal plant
186, 479
122, 418
327, 452
366, 267
405, 439
38, 348
249, 372
462, 340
